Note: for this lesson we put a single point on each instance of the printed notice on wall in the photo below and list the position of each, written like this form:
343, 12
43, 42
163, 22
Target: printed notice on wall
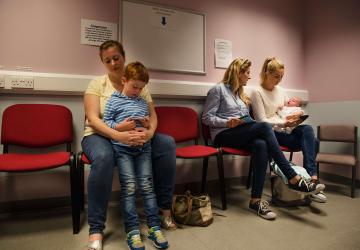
96, 32
223, 53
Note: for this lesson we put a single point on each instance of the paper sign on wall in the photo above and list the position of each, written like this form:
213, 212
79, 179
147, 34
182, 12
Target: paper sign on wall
223, 53
96, 32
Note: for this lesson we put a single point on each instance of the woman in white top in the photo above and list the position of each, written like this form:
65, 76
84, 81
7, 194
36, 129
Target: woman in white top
268, 100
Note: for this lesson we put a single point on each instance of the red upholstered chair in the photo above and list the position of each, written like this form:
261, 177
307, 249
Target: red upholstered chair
227, 150
182, 124
39, 126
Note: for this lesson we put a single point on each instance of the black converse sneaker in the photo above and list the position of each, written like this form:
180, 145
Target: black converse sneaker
306, 187
262, 209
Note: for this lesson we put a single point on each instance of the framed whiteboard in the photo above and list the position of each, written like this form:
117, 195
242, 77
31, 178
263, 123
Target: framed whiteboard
163, 38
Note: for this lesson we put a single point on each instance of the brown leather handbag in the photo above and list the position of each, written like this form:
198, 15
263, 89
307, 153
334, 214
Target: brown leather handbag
192, 210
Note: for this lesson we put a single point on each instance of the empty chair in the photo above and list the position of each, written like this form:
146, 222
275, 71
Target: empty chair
34, 126
182, 124
344, 134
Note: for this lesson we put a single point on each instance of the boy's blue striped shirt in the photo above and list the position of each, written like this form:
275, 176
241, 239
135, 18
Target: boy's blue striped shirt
119, 107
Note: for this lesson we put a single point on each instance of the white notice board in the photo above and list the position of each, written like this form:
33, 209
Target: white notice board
162, 37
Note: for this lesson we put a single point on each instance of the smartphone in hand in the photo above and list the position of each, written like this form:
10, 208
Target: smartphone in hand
246, 119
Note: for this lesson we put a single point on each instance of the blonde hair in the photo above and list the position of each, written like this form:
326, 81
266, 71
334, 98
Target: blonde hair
136, 71
231, 77
271, 65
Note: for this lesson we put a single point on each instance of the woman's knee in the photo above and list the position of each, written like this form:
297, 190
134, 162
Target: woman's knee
308, 131
162, 142
260, 145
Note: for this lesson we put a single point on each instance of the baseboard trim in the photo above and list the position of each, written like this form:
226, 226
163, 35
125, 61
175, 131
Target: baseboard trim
212, 186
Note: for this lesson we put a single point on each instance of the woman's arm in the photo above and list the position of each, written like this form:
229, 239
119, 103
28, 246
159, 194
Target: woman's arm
259, 113
211, 107
92, 113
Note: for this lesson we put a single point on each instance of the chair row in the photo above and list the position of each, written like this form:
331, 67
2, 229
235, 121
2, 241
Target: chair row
47, 125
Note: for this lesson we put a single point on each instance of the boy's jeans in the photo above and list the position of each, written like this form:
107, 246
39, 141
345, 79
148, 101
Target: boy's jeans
135, 170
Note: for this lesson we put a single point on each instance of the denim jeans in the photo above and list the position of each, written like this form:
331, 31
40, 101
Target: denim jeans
134, 165
99, 151
260, 139
302, 137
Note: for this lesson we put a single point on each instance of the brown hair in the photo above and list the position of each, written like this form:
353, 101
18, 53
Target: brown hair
231, 77
271, 64
111, 43
136, 71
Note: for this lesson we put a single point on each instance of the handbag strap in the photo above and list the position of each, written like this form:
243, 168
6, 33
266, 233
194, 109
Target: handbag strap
189, 206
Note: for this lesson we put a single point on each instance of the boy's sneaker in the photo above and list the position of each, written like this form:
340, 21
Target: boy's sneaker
319, 197
306, 187
134, 240
263, 210
157, 237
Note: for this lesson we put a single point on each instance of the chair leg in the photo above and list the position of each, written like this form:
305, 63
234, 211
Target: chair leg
204, 174
220, 164
75, 196
353, 182
250, 173
291, 156
82, 186
317, 170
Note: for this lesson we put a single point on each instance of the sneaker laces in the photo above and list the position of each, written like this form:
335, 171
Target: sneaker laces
136, 240
304, 182
264, 207
159, 236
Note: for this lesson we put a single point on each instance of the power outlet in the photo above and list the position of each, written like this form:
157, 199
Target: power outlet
22, 82
2, 81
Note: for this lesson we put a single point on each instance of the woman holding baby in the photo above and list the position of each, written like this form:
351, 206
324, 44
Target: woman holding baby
270, 104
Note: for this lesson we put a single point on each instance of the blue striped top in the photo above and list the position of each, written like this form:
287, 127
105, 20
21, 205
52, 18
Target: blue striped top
119, 107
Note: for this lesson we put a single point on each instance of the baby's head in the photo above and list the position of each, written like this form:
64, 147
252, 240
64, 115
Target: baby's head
294, 102
135, 78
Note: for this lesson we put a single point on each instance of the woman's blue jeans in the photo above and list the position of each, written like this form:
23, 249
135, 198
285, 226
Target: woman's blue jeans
302, 137
99, 151
135, 172
258, 137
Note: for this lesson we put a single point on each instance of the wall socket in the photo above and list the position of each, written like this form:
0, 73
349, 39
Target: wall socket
2, 81
22, 82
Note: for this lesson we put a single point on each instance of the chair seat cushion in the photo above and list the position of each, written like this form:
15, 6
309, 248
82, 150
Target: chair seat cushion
341, 159
195, 151
286, 149
32, 162
84, 159
235, 151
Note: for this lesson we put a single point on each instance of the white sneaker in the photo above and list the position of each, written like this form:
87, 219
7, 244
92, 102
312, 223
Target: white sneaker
318, 197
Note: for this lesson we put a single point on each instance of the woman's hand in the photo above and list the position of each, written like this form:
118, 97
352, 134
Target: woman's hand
146, 134
292, 121
132, 138
234, 122
126, 125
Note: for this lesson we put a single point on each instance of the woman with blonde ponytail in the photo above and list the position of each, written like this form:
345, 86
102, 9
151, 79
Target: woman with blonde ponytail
268, 103
226, 112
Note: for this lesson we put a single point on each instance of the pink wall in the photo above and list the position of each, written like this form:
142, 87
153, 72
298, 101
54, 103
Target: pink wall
45, 35
332, 50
